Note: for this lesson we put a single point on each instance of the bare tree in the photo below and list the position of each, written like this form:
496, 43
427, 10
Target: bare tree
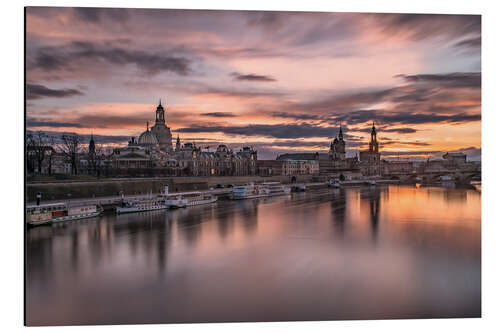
51, 153
37, 148
71, 149
96, 159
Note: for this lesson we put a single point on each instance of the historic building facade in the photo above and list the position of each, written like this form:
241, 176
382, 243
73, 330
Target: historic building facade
188, 159
333, 162
287, 167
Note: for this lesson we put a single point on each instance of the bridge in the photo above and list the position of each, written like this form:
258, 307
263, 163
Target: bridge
435, 175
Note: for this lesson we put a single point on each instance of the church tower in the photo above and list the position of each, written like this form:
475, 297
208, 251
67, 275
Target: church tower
373, 140
92, 145
178, 144
337, 147
160, 114
161, 131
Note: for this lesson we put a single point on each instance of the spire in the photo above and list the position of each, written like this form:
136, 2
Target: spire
91, 144
341, 135
159, 103
147, 126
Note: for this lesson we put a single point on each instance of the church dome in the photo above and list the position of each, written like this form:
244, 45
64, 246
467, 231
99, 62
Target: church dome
147, 139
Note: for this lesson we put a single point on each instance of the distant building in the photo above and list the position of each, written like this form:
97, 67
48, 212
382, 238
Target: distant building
189, 159
370, 159
300, 167
455, 158
134, 156
287, 167
328, 163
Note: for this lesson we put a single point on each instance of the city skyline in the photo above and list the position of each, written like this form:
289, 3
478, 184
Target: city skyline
278, 81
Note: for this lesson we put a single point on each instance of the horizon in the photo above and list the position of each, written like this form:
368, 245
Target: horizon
278, 81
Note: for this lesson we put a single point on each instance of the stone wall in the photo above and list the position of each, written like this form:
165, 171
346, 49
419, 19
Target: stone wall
112, 187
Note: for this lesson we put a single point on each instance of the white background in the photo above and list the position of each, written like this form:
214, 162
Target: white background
11, 157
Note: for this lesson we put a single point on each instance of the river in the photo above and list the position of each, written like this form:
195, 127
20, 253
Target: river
356, 253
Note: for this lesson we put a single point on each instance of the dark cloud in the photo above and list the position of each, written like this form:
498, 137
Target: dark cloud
37, 91
57, 58
201, 89
219, 114
30, 122
271, 20
385, 129
94, 121
454, 80
97, 15
422, 26
469, 43
408, 118
297, 116
415, 119
252, 77
85, 138
405, 143
280, 131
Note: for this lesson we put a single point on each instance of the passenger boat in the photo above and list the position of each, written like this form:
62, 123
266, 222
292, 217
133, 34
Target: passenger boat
198, 198
141, 205
176, 202
190, 199
257, 191
60, 212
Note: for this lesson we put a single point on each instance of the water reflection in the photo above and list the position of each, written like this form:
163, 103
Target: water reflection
339, 208
371, 196
348, 253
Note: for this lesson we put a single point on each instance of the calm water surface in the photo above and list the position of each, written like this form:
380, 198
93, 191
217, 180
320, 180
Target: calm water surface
357, 253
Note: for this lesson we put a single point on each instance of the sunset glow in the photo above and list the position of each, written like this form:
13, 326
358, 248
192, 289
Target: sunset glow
279, 81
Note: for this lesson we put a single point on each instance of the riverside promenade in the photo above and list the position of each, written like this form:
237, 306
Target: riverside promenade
222, 193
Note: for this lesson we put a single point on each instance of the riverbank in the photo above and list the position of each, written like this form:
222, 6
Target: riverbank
80, 189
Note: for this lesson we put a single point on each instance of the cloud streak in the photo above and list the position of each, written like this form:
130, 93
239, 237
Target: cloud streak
90, 54
37, 91
252, 77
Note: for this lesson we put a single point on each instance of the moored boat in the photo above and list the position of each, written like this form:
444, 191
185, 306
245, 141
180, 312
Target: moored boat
257, 191
198, 198
189, 199
176, 202
141, 205
60, 212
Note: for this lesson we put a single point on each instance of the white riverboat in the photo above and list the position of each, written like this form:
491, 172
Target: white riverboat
176, 202
189, 199
141, 205
257, 191
60, 212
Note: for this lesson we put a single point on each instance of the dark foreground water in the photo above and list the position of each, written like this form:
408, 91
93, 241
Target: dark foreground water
359, 253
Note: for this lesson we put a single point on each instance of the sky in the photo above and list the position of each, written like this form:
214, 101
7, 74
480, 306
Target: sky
278, 81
